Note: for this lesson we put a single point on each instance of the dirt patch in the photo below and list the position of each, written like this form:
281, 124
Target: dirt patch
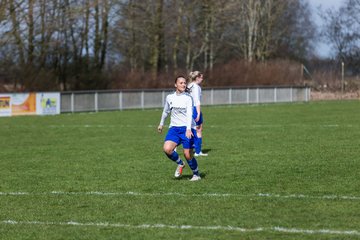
316, 95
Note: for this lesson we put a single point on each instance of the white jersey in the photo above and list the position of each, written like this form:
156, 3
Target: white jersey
195, 92
181, 108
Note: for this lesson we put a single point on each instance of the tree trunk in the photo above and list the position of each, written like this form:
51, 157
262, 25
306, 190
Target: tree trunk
97, 39
104, 29
177, 37
156, 59
31, 47
18, 40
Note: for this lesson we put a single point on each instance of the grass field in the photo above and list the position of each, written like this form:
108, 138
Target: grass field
275, 171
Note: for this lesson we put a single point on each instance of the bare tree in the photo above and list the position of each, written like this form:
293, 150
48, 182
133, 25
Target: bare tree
3, 10
246, 20
157, 40
177, 32
133, 34
203, 32
70, 41
342, 31
15, 13
264, 29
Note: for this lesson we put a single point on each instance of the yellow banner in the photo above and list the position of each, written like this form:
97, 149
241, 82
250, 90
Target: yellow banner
24, 104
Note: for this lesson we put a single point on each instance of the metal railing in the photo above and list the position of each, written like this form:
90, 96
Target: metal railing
86, 101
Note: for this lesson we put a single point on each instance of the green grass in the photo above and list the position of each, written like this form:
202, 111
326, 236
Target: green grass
294, 166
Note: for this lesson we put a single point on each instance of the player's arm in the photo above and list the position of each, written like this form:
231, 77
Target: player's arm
197, 104
198, 113
189, 112
164, 115
196, 95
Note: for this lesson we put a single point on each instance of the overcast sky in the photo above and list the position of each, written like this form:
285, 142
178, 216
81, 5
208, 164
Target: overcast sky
323, 49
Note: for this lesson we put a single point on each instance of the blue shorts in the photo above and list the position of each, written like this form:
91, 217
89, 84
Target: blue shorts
178, 135
201, 120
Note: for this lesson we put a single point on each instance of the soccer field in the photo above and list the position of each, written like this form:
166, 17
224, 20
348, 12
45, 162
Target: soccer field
274, 171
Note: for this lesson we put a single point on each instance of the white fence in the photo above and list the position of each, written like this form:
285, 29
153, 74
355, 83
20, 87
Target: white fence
132, 99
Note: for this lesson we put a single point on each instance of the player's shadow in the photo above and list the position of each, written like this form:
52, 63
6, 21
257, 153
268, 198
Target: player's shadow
187, 177
206, 150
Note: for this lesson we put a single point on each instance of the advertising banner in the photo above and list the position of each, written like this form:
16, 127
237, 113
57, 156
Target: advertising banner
47, 103
17, 104
23, 104
5, 105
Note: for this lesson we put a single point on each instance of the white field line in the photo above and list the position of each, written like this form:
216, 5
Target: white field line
260, 195
286, 125
222, 228
210, 126
83, 126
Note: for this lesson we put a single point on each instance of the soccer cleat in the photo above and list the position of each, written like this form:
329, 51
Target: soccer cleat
200, 154
195, 178
179, 170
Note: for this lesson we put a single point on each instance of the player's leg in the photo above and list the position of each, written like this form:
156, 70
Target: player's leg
198, 140
168, 148
191, 160
171, 141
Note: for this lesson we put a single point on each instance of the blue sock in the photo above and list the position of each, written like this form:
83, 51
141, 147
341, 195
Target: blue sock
193, 165
174, 156
198, 143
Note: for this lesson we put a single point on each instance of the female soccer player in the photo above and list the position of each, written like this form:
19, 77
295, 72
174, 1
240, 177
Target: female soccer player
195, 79
181, 129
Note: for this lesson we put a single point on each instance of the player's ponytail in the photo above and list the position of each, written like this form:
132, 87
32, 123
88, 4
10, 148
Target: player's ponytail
193, 75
